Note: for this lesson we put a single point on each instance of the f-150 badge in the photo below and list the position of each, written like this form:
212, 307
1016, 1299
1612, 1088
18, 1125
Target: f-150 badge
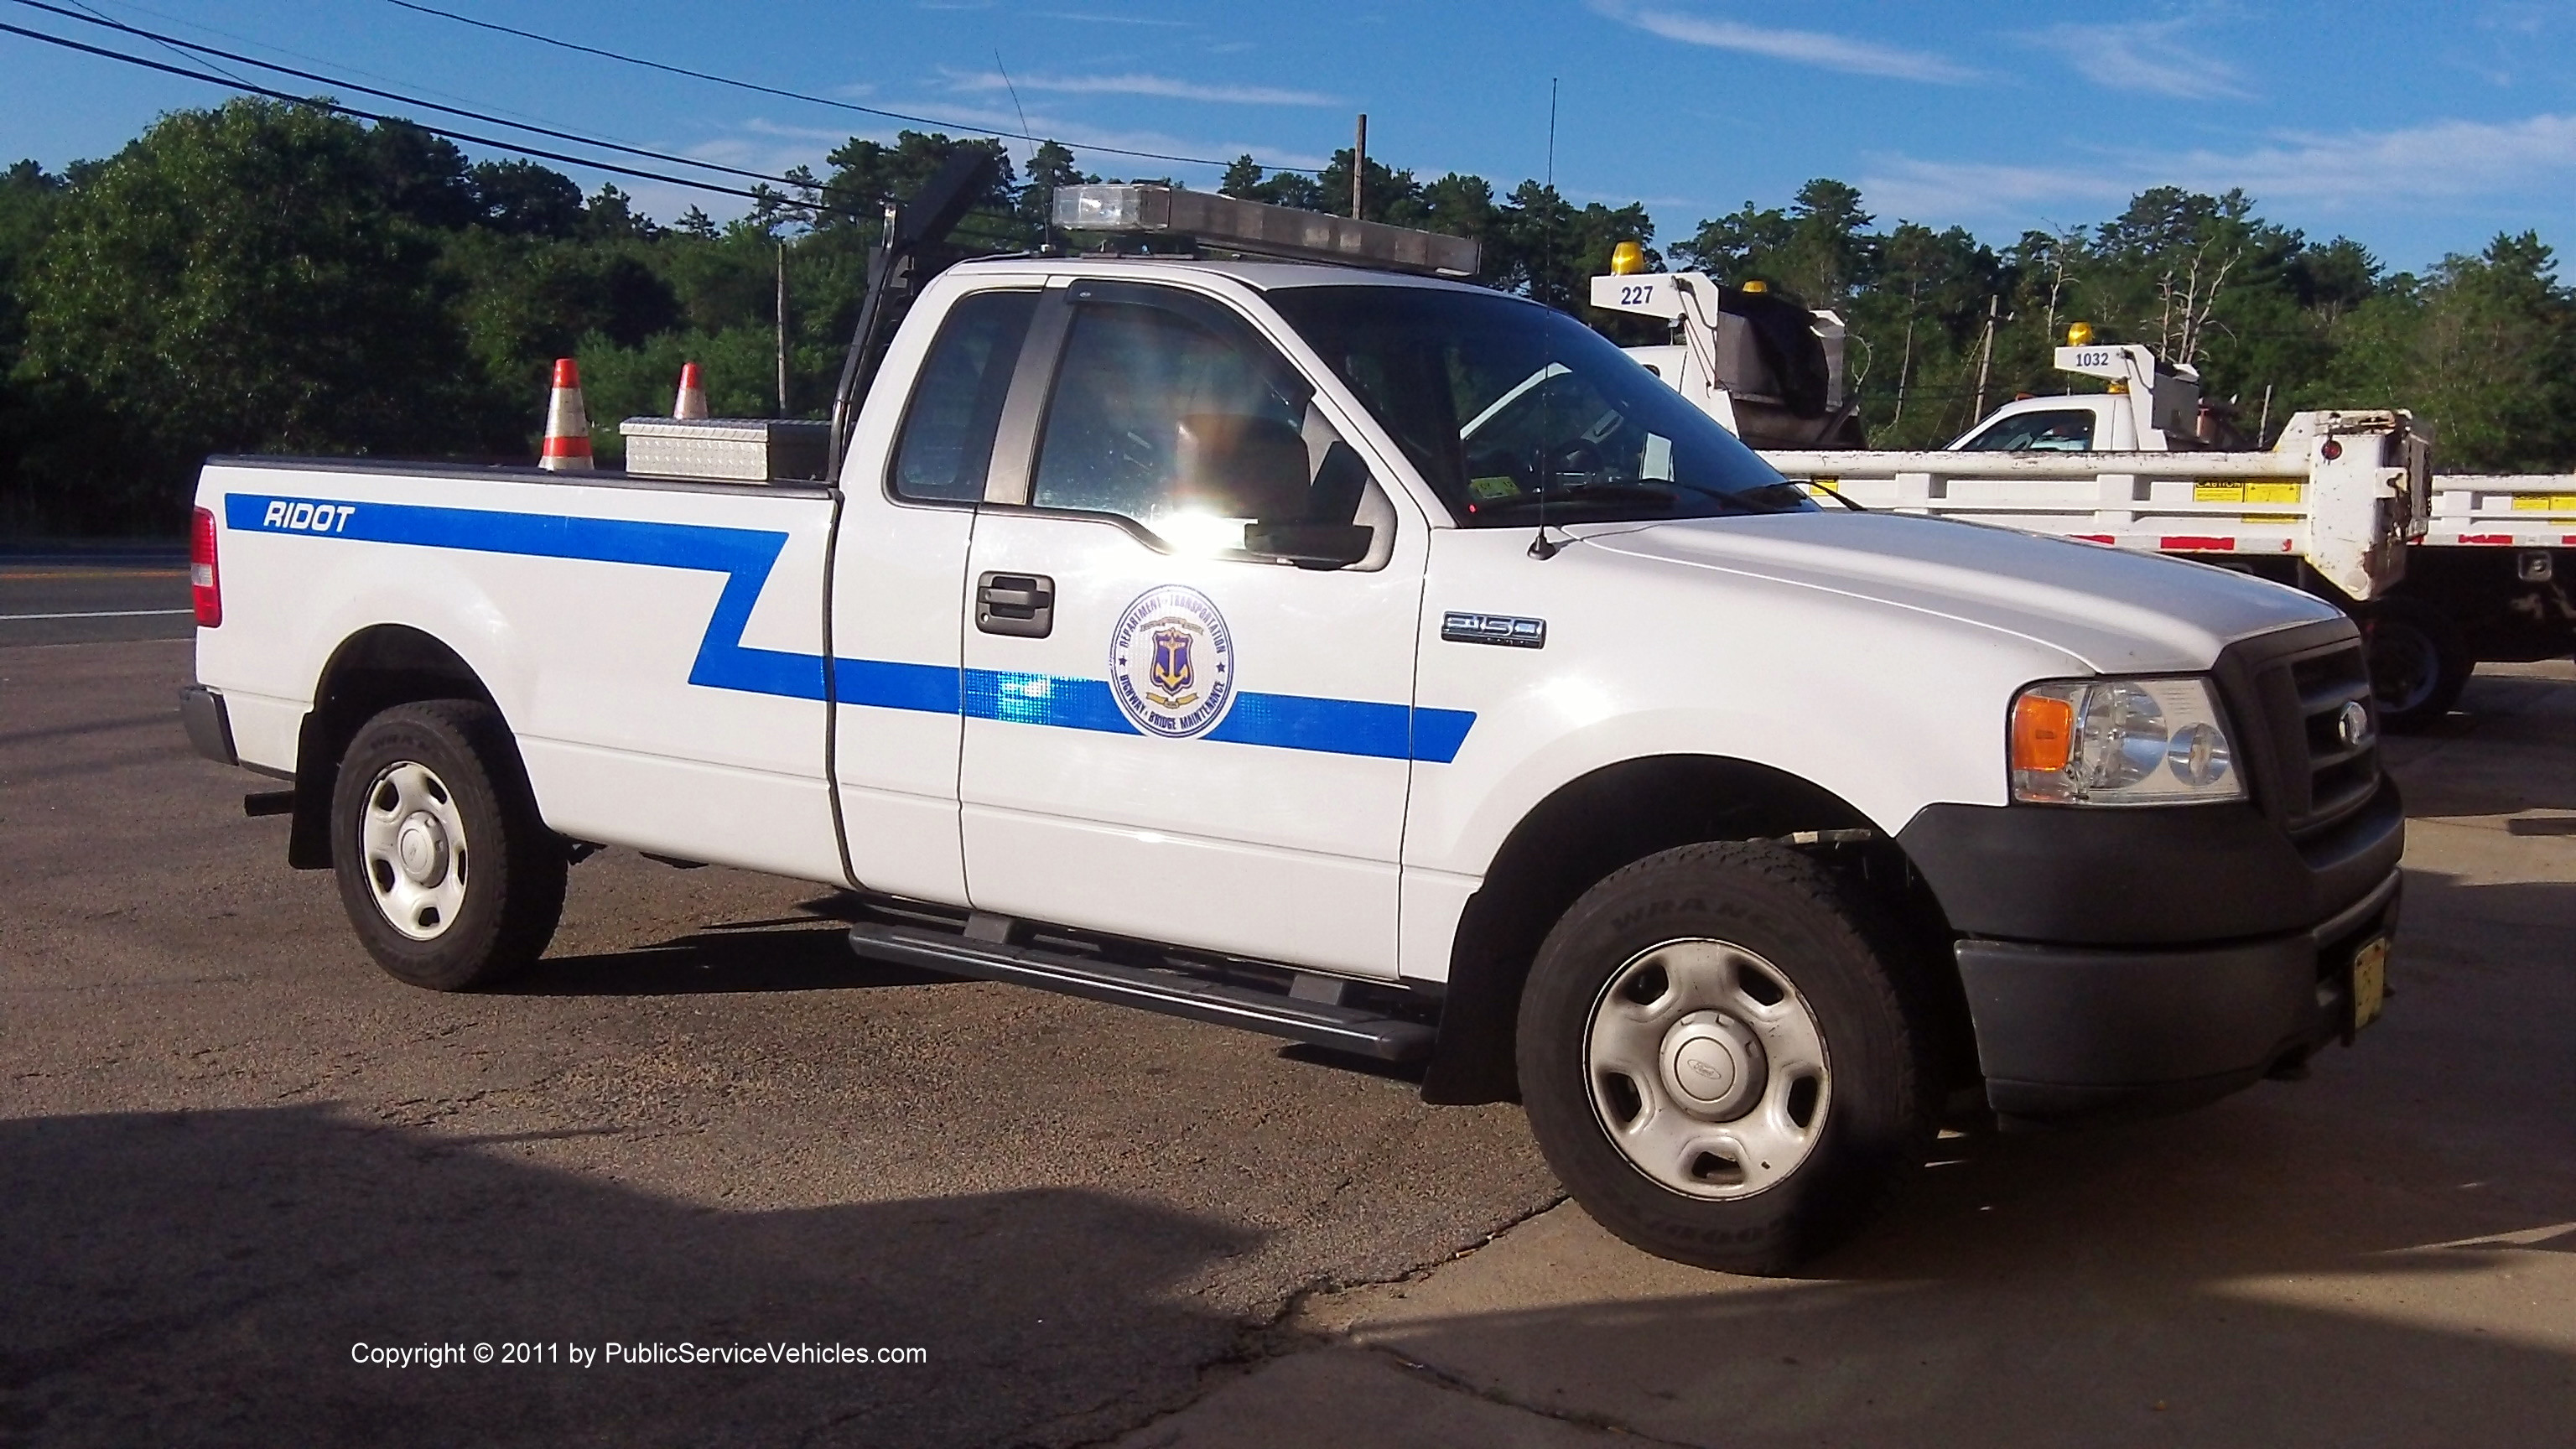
1171, 663
1465, 628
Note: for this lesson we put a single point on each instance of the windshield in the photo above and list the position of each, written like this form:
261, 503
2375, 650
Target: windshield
1511, 409
2059, 430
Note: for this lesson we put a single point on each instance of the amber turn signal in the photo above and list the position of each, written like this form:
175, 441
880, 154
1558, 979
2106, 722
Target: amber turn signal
2043, 733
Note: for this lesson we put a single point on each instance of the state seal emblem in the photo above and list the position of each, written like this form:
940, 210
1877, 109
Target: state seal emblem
1171, 663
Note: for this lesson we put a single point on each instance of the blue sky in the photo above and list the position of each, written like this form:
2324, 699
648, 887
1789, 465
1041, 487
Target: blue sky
2417, 129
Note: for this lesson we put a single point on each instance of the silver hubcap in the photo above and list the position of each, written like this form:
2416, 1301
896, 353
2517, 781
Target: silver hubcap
413, 838
1707, 1069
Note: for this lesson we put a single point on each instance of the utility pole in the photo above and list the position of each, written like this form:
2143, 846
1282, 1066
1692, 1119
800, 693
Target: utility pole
1905, 368
1359, 167
1985, 355
782, 328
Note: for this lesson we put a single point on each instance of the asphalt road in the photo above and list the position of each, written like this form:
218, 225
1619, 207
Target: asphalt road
87, 598
231, 1151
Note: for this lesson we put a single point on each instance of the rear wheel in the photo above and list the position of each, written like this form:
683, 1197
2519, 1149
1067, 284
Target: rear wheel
444, 867
1718, 1061
2419, 663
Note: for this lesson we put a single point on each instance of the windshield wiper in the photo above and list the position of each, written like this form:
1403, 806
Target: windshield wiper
1553, 502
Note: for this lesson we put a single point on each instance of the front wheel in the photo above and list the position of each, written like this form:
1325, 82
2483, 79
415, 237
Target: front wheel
444, 867
1718, 1060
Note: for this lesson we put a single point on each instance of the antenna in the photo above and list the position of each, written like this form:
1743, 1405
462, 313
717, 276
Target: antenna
1005, 73
1551, 133
1541, 546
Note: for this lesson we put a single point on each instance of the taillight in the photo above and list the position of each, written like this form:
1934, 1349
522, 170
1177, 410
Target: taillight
205, 585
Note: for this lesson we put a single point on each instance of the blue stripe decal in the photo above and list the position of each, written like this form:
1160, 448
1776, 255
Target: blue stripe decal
746, 556
889, 684
1044, 699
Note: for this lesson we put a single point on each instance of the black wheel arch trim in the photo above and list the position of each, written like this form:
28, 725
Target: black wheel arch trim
1579, 834
371, 671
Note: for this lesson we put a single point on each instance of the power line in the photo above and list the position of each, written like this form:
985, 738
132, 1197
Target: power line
174, 43
165, 45
186, 24
757, 193
351, 111
766, 90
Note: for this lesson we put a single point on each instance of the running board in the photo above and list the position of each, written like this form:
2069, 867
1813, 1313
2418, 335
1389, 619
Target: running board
1343, 1028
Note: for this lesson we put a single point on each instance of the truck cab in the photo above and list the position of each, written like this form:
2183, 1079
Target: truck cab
2151, 407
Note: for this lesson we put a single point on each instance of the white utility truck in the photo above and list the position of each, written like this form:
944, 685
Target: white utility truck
1768, 369
1158, 635
2486, 562
2441, 571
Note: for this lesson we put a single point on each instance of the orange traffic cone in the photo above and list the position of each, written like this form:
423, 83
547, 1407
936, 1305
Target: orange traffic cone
567, 425
692, 402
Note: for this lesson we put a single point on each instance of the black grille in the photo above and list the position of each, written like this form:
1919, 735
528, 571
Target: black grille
2289, 692
2340, 776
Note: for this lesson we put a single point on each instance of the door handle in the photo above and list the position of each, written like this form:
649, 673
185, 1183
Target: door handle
1017, 604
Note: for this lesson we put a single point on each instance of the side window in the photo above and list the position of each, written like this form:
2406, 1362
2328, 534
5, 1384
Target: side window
2067, 431
1200, 433
947, 438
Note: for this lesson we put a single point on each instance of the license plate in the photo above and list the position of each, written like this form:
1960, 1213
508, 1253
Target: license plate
2369, 981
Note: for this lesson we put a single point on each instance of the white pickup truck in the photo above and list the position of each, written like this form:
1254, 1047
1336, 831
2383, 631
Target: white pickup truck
1158, 639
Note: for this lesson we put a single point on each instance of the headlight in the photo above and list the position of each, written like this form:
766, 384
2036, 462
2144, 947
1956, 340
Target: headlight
2121, 742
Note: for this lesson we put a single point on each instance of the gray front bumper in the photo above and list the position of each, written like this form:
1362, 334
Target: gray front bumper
2070, 1032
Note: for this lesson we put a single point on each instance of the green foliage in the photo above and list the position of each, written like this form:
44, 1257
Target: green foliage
1818, 250
740, 367
269, 277
2485, 346
238, 281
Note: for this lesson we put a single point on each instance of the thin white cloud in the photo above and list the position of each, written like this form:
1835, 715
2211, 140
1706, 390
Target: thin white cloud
760, 144
1138, 84
2143, 55
762, 126
1804, 47
2434, 166
1091, 18
1082, 137
2437, 161
1941, 193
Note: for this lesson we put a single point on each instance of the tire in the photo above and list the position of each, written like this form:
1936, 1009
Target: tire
450, 877
1826, 1090
2419, 663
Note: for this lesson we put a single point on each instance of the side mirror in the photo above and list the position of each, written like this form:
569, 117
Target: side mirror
1312, 545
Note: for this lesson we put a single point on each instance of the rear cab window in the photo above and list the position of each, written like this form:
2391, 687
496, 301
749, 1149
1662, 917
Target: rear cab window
947, 439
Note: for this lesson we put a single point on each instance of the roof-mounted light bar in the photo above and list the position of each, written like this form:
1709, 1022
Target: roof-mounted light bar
1258, 229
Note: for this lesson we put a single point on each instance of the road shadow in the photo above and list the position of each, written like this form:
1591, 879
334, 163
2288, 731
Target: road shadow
2510, 747
806, 951
2281, 1269
2383, 1254
202, 1277
812, 958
